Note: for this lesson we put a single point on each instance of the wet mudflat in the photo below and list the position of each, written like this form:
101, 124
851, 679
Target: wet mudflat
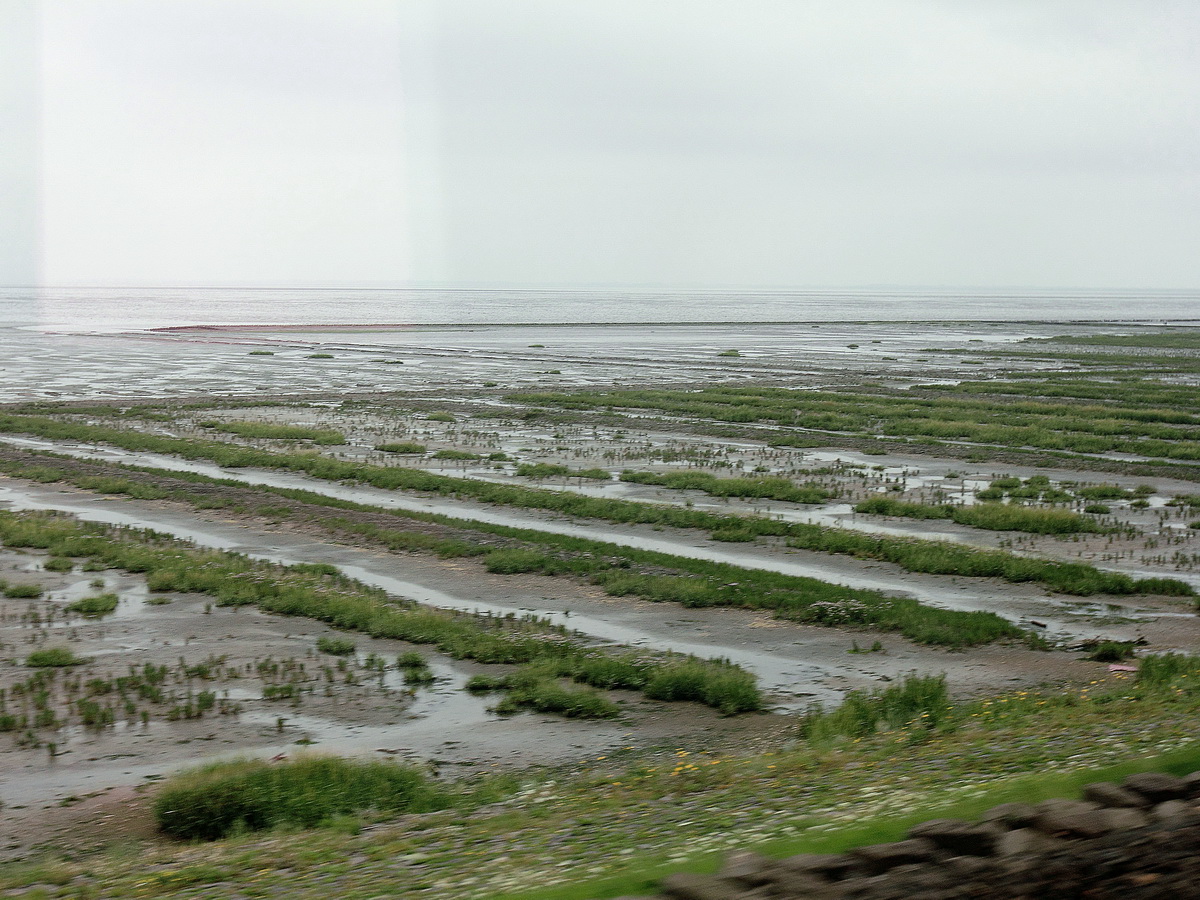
454, 378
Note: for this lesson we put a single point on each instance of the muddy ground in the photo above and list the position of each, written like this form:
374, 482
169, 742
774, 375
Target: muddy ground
91, 785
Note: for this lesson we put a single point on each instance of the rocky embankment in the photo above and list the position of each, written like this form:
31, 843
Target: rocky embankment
1136, 840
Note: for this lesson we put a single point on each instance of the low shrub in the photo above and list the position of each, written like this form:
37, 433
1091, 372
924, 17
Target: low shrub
54, 657
99, 605
456, 454
401, 447
223, 798
920, 698
1111, 651
335, 646
23, 591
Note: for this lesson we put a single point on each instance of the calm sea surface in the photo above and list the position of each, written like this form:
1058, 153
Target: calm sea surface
122, 309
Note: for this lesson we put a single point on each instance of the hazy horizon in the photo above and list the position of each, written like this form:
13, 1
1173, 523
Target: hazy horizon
473, 144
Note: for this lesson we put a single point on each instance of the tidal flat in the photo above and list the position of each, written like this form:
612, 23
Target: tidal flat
644, 492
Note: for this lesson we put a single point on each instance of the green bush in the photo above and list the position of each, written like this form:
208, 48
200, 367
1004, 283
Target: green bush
268, 431
1111, 651
335, 646
919, 699
223, 798
99, 605
1167, 671
991, 516
54, 657
531, 691
59, 564
456, 454
23, 591
401, 447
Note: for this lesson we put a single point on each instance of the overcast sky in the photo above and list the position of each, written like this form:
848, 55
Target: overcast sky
747, 143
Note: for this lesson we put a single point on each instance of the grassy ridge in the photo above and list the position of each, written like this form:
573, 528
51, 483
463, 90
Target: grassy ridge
235, 580
1047, 425
912, 554
267, 431
991, 516
251, 795
760, 488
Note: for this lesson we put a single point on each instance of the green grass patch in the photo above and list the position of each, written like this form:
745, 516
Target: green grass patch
335, 646
268, 431
990, 516
23, 591
225, 798
54, 657
766, 488
401, 447
456, 454
98, 605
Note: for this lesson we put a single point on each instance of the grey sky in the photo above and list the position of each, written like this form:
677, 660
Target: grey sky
651, 142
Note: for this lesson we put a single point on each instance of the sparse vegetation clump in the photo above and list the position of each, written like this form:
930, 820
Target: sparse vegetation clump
990, 516
23, 591
456, 454
54, 657
223, 798
768, 488
98, 605
269, 431
335, 646
404, 447
918, 699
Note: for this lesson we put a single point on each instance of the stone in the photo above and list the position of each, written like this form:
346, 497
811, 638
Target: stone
833, 866
799, 886
1191, 784
1172, 811
1025, 841
959, 837
1011, 815
749, 869
1070, 818
1124, 819
1108, 794
882, 857
1156, 787
968, 866
686, 886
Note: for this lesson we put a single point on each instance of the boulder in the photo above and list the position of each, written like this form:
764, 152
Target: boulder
1011, 815
1070, 818
1157, 787
1108, 794
959, 837
882, 857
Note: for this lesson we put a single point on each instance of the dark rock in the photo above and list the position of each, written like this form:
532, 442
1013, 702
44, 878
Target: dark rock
1191, 784
1170, 810
968, 866
1011, 815
1070, 818
881, 857
959, 837
1108, 794
833, 866
1124, 819
1156, 787
686, 886
749, 869
1024, 841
